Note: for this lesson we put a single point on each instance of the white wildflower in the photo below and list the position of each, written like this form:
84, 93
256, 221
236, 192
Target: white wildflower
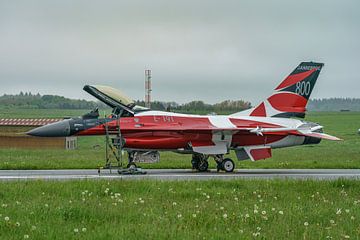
6, 218
174, 203
225, 215
263, 212
338, 211
76, 230
306, 224
83, 229
179, 215
17, 224
281, 212
194, 215
26, 236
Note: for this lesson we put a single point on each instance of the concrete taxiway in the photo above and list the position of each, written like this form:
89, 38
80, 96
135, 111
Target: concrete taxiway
180, 174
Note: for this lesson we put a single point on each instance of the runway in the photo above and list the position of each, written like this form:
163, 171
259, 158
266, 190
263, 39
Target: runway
179, 174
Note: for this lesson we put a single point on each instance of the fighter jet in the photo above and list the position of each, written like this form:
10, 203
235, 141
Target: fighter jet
252, 134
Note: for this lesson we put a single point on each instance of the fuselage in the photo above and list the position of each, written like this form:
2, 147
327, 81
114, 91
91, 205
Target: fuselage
157, 130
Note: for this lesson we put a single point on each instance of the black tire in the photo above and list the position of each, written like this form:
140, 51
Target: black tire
203, 166
194, 163
219, 166
228, 165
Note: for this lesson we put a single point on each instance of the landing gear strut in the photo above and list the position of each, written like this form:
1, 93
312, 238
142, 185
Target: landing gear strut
131, 163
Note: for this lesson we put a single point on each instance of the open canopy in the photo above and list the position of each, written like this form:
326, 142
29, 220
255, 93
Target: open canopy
113, 97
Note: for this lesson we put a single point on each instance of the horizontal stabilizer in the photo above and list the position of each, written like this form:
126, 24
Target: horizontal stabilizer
321, 136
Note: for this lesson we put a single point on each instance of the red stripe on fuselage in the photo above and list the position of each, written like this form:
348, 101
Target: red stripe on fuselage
248, 139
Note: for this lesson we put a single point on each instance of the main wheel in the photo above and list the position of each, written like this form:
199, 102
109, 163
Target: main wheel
203, 166
228, 165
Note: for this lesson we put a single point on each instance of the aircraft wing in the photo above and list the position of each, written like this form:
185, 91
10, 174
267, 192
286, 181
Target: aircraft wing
309, 132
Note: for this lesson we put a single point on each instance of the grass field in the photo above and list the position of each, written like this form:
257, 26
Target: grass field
241, 209
91, 151
236, 209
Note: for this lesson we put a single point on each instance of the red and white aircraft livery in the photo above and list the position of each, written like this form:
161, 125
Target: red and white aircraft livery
252, 133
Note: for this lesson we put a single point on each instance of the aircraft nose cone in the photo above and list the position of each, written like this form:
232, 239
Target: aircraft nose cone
57, 129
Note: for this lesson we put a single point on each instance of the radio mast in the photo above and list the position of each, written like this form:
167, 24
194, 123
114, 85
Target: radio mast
148, 88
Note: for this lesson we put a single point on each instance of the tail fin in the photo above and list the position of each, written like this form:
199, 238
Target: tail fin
291, 96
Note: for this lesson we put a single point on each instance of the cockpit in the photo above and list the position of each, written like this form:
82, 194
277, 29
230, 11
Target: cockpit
122, 105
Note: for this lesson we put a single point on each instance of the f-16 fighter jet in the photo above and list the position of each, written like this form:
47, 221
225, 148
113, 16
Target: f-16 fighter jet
252, 133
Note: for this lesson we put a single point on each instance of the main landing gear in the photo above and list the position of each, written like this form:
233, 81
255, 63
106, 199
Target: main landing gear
200, 162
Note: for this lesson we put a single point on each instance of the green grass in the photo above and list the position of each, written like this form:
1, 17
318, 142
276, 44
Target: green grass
270, 209
327, 154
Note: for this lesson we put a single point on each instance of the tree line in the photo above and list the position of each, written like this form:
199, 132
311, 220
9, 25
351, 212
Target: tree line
334, 104
37, 101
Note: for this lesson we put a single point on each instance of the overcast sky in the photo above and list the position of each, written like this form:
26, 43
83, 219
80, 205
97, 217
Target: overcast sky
197, 49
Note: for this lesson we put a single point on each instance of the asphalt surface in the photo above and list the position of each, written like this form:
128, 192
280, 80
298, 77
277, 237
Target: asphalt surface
180, 174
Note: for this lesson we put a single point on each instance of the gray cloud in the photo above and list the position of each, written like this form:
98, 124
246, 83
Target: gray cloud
202, 49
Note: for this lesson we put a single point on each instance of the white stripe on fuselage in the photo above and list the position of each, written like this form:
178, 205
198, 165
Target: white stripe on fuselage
223, 121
